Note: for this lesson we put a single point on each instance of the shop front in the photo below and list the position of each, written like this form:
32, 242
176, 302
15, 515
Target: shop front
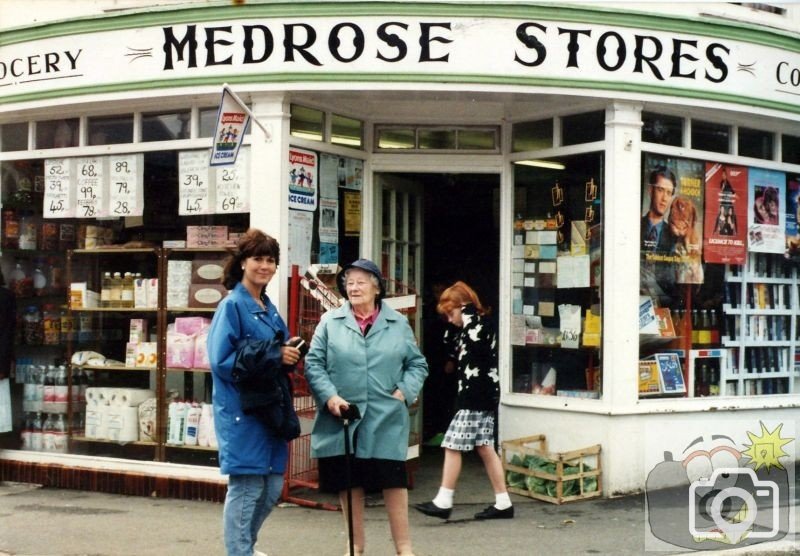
578, 166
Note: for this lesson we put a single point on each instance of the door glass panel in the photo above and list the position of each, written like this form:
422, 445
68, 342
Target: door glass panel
386, 217
400, 222
412, 218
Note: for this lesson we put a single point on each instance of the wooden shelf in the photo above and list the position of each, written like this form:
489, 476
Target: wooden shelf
185, 447
114, 250
117, 442
198, 249
114, 368
191, 309
191, 370
112, 310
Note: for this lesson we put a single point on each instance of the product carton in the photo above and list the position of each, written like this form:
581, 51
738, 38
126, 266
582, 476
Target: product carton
207, 271
138, 331
206, 236
146, 354
190, 326
81, 297
180, 351
206, 296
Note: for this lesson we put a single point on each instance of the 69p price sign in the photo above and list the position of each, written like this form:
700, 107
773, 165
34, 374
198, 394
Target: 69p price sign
193, 183
232, 191
125, 192
59, 188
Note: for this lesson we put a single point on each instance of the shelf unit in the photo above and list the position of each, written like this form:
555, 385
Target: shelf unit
761, 301
162, 379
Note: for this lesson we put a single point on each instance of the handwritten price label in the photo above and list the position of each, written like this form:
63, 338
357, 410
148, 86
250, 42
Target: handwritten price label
193, 183
233, 185
90, 187
126, 185
59, 200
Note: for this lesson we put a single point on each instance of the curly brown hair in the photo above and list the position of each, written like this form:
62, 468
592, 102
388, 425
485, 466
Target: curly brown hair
253, 243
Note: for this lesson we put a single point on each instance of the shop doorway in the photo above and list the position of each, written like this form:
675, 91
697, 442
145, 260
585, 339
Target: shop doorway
454, 236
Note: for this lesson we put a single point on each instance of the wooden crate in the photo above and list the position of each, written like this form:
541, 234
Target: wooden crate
537, 446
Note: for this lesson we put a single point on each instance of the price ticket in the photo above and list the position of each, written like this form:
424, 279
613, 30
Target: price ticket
193, 183
90, 194
233, 185
59, 188
125, 195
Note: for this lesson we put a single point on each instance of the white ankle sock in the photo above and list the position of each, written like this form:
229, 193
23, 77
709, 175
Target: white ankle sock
444, 498
502, 501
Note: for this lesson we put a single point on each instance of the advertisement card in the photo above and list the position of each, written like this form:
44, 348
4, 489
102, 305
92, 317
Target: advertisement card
793, 218
726, 211
766, 217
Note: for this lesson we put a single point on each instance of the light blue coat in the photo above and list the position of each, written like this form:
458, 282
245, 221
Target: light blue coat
364, 370
246, 447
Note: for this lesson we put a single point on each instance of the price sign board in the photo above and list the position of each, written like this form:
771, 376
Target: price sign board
59, 188
126, 185
193, 183
233, 185
90, 187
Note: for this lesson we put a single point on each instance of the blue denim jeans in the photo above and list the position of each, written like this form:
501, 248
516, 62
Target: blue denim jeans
249, 501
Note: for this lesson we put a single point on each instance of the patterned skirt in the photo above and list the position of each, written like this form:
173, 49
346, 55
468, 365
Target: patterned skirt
469, 429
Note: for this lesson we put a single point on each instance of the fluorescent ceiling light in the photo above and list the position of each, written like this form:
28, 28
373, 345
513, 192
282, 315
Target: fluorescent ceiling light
541, 164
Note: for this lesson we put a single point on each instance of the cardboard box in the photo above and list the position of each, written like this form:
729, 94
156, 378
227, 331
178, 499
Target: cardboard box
206, 296
208, 271
206, 236
81, 297
138, 331
146, 354
564, 483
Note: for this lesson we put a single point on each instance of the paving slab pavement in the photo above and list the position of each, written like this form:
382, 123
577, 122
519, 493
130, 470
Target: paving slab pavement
52, 522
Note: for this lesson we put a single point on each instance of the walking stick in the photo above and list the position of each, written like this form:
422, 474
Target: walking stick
350, 414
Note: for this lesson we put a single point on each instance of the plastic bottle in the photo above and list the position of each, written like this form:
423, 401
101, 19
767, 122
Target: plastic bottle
67, 326
51, 326
37, 440
49, 434
60, 434
116, 291
127, 290
56, 274
32, 326
61, 390
27, 432
41, 373
48, 238
19, 281
105, 290
39, 278
192, 425
49, 398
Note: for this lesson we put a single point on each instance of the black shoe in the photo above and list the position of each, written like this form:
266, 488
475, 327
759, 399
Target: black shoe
431, 509
493, 513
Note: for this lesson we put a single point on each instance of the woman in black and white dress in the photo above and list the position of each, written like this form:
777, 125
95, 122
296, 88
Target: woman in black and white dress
476, 403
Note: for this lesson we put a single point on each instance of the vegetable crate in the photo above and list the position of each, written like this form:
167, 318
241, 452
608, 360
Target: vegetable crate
552, 477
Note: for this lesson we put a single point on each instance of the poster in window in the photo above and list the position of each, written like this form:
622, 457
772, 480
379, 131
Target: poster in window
328, 180
793, 218
352, 213
669, 366
329, 220
726, 212
672, 222
766, 217
302, 179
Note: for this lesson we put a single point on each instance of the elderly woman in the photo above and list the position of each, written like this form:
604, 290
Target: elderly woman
365, 353
247, 353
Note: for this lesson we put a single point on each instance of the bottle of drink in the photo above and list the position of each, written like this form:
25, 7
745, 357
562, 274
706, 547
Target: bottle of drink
61, 390
49, 434
127, 290
10, 229
56, 275
67, 326
60, 434
105, 290
37, 440
27, 432
116, 290
49, 399
28, 231
51, 326
713, 387
32, 326
83, 381
19, 281
41, 372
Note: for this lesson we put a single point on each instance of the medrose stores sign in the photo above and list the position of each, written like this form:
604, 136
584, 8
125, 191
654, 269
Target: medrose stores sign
459, 50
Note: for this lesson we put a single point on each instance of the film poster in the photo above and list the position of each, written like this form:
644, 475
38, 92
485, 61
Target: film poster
766, 217
793, 218
725, 237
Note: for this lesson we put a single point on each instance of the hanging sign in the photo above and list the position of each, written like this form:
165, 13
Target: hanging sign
193, 183
232, 119
766, 217
90, 187
302, 179
232, 184
793, 218
59, 191
126, 191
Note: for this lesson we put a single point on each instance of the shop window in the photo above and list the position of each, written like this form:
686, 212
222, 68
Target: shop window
166, 126
110, 130
441, 139
708, 136
14, 137
307, 123
755, 143
583, 128
397, 138
662, 129
208, 122
56, 134
347, 131
718, 279
791, 149
532, 136
474, 139
556, 277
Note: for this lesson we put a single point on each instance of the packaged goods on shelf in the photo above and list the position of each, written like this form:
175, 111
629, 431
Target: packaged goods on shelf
179, 274
206, 236
138, 331
81, 297
147, 421
201, 351
191, 325
206, 296
206, 435
180, 350
192, 424
146, 354
207, 271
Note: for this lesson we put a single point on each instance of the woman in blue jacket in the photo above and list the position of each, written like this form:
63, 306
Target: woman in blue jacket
365, 353
250, 453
